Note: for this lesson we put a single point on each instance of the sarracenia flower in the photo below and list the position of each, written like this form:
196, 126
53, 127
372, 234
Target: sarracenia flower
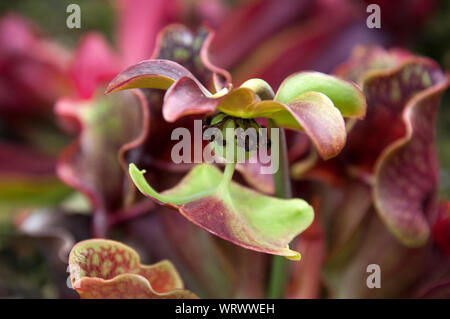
310, 102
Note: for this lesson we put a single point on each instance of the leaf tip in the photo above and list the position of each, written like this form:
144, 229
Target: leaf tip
295, 255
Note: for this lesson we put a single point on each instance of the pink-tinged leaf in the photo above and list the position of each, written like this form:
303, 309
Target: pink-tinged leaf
406, 176
105, 125
33, 69
179, 53
139, 24
312, 112
94, 64
184, 98
178, 44
388, 89
153, 74
233, 212
396, 141
106, 269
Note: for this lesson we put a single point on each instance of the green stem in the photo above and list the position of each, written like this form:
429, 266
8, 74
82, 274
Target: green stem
228, 174
277, 281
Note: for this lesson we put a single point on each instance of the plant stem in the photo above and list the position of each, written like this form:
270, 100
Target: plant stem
228, 173
282, 182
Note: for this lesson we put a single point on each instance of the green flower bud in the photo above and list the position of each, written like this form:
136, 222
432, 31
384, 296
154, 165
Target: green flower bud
233, 139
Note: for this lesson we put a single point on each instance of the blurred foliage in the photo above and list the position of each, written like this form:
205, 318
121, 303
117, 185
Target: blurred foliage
27, 273
50, 16
21, 263
99, 15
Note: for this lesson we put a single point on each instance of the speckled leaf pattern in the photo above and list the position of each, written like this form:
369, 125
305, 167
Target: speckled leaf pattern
403, 93
406, 177
106, 269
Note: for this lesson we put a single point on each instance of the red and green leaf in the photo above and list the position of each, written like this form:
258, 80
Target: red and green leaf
105, 125
406, 173
310, 101
233, 212
394, 148
106, 269
188, 50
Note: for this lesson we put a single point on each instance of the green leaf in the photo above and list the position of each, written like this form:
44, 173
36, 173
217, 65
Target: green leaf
209, 199
346, 96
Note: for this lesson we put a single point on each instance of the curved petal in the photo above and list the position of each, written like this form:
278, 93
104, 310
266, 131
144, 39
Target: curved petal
312, 112
154, 74
189, 50
101, 268
235, 213
406, 176
185, 97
